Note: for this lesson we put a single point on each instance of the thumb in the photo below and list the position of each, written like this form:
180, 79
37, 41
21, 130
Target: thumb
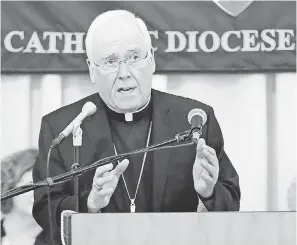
199, 147
121, 167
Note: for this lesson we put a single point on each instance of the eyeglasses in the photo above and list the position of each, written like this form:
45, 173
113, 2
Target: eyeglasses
135, 60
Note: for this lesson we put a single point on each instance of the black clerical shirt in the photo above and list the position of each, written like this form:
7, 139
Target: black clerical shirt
129, 136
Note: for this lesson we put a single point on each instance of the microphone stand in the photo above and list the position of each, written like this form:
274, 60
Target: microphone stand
179, 138
77, 143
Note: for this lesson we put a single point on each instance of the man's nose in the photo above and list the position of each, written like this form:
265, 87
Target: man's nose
124, 71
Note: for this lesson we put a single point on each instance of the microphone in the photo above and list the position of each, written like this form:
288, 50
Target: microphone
88, 109
197, 118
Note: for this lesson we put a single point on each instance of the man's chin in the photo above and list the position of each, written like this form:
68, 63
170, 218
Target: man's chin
127, 109
127, 105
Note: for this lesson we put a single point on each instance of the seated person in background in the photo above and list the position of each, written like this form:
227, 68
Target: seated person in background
19, 226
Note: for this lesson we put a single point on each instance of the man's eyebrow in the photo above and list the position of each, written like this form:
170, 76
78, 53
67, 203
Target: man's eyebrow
113, 55
134, 50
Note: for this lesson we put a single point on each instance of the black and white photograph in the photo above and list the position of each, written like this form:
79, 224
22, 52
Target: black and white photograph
148, 122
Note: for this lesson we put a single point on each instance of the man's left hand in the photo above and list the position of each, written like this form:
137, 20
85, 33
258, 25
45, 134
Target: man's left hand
205, 169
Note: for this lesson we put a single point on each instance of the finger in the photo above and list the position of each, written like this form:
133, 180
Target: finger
103, 180
199, 147
208, 180
101, 170
209, 149
200, 143
122, 166
210, 158
106, 192
106, 174
208, 167
113, 183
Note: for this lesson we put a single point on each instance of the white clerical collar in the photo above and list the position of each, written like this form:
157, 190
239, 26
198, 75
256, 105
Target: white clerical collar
129, 115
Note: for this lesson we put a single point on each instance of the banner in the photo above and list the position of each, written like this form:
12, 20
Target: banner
204, 36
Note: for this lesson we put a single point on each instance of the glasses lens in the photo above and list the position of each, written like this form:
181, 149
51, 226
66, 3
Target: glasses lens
134, 61
137, 61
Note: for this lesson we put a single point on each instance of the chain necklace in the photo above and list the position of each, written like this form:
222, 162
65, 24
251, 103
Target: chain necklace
132, 200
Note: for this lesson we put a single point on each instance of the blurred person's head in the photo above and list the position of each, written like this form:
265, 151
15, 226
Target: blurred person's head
121, 60
291, 195
16, 170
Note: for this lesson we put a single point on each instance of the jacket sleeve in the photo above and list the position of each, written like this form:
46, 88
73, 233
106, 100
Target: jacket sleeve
61, 195
226, 195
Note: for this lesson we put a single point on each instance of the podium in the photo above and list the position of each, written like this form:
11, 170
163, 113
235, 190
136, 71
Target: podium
210, 228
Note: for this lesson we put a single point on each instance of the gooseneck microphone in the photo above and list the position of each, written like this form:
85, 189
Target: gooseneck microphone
88, 109
197, 118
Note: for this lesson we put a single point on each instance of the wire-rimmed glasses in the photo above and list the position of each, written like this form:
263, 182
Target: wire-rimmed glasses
110, 65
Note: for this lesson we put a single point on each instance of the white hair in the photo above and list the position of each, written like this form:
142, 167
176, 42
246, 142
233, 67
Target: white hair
110, 15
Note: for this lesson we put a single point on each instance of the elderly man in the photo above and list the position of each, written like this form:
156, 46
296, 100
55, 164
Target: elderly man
131, 115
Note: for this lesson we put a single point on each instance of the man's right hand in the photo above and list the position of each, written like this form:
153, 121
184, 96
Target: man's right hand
104, 183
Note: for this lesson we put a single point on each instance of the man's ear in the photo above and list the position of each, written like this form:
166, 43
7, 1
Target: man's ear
91, 70
152, 58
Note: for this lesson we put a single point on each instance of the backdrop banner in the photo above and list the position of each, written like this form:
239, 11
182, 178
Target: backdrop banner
204, 36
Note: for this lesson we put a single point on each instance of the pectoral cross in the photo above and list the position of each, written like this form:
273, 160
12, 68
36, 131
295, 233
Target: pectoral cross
132, 206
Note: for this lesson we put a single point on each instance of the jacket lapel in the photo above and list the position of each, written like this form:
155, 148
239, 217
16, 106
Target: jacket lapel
98, 131
162, 131
101, 144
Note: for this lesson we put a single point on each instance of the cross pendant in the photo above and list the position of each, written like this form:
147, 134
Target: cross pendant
132, 206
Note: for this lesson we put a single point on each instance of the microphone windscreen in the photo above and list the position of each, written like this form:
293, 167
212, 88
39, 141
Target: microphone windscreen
195, 114
88, 109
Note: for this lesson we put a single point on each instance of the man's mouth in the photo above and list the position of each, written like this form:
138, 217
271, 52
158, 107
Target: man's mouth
126, 90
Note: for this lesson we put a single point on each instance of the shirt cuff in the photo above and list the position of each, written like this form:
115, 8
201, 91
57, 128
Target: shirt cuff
201, 207
206, 203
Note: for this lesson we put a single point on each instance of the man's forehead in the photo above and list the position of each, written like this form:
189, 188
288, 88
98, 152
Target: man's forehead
116, 34
121, 42
117, 31
120, 48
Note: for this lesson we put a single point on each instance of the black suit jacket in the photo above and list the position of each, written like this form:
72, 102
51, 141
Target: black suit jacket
173, 186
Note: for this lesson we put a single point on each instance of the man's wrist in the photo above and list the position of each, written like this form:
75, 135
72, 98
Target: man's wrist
206, 195
208, 201
92, 207
201, 207
93, 210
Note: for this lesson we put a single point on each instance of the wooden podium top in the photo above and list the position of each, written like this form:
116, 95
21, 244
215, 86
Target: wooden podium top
213, 228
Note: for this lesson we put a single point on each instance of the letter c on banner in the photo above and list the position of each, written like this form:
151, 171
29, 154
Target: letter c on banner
8, 44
